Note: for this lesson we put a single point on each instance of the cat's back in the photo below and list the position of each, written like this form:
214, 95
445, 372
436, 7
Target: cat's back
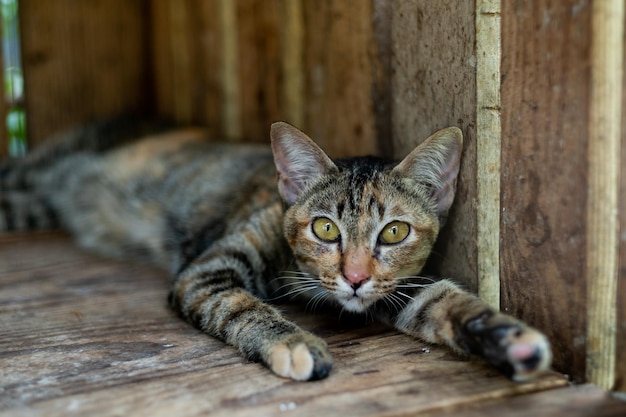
139, 197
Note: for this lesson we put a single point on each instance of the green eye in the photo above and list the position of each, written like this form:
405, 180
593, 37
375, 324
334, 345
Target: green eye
394, 232
325, 229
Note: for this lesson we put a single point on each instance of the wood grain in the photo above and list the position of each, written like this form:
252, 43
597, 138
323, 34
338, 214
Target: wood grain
620, 371
81, 61
605, 120
433, 86
186, 47
83, 335
545, 96
341, 64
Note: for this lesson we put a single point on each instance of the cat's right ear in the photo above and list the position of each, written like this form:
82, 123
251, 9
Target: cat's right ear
299, 161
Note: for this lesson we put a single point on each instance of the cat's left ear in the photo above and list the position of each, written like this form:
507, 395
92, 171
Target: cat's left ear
299, 161
435, 163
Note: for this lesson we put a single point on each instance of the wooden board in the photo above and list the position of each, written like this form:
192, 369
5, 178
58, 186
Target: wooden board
81, 61
83, 335
620, 372
545, 96
433, 86
340, 62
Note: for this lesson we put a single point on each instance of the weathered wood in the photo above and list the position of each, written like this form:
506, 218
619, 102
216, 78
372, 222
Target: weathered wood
258, 34
83, 335
605, 121
81, 60
341, 64
186, 48
488, 133
620, 371
545, 96
584, 400
434, 86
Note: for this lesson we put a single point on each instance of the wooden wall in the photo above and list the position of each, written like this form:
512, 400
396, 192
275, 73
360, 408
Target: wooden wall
377, 77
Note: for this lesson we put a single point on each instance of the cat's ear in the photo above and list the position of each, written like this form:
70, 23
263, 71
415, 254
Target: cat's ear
435, 163
299, 161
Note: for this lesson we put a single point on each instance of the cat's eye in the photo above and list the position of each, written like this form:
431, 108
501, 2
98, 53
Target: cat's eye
394, 232
325, 229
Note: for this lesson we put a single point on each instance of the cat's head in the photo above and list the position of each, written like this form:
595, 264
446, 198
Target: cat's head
362, 227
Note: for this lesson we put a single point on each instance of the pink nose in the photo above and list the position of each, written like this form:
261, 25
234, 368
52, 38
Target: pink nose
356, 276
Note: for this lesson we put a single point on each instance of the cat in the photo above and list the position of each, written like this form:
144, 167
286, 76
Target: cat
241, 225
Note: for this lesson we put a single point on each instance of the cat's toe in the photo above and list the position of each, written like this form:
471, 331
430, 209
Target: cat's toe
529, 354
519, 351
302, 360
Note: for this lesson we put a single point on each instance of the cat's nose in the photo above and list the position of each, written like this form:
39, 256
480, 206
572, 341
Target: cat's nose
356, 277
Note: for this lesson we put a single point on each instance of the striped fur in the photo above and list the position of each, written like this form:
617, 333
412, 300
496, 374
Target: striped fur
241, 225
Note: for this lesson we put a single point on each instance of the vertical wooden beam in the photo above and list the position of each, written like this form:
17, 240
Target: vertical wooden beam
229, 66
545, 106
340, 64
620, 360
81, 60
292, 61
488, 149
260, 66
605, 119
433, 85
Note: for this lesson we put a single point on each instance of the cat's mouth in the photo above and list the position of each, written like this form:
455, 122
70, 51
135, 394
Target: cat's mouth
355, 300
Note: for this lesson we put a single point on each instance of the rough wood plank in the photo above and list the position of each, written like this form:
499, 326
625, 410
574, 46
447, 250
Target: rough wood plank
81, 60
340, 75
186, 47
620, 371
545, 96
584, 400
488, 132
434, 86
84, 335
605, 120
260, 71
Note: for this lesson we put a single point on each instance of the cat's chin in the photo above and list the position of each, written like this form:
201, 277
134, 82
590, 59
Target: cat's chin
355, 304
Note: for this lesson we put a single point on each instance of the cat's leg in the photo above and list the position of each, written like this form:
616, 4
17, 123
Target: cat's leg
216, 293
445, 314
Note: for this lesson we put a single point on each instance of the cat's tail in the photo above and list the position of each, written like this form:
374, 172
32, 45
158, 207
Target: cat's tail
22, 207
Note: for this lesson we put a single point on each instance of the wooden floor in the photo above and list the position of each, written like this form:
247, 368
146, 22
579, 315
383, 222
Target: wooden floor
83, 335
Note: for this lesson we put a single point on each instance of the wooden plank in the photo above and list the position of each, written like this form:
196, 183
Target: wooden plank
82, 60
605, 120
488, 133
340, 75
186, 47
83, 335
583, 400
545, 96
434, 87
259, 49
620, 371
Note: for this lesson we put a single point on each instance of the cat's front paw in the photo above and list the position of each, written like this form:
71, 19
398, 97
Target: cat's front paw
519, 351
302, 357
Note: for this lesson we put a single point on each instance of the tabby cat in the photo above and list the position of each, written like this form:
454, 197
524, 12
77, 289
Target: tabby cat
241, 225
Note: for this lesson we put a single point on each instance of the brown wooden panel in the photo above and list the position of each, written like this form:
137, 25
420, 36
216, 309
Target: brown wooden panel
341, 61
433, 85
82, 60
620, 372
545, 95
85, 335
258, 27
186, 46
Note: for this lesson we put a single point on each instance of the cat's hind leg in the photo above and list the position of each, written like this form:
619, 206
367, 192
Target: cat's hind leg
445, 314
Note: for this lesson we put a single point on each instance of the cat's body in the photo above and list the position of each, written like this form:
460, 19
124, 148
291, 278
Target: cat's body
352, 234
